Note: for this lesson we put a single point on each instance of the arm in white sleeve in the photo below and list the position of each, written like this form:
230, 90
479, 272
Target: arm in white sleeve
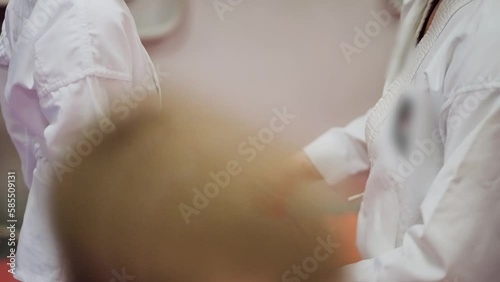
100, 70
340, 152
458, 239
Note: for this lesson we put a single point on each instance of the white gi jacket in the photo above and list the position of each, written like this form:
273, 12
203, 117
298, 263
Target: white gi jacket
431, 208
70, 63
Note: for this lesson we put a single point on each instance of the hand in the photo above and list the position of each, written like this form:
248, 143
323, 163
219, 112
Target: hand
285, 180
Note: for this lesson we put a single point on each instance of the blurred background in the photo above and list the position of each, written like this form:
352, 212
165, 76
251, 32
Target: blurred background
252, 56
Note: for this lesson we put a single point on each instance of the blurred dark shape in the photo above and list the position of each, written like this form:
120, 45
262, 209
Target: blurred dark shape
2, 13
119, 212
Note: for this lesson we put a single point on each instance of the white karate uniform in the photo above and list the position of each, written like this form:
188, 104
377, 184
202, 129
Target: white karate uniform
70, 63
431, 208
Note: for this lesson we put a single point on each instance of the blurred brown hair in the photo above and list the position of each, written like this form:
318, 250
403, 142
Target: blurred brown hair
120, 209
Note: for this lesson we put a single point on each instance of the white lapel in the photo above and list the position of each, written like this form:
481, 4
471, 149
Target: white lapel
407, 58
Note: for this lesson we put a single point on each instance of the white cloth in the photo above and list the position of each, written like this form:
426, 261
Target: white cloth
70, 63
430, 211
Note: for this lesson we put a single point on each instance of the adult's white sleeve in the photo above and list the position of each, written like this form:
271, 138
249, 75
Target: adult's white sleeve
340, 152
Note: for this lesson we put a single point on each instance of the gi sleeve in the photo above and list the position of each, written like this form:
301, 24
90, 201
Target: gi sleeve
458, 239
340, 152
99, 69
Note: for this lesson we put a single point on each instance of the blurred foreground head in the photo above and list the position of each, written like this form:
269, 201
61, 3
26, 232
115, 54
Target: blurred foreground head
175, 198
